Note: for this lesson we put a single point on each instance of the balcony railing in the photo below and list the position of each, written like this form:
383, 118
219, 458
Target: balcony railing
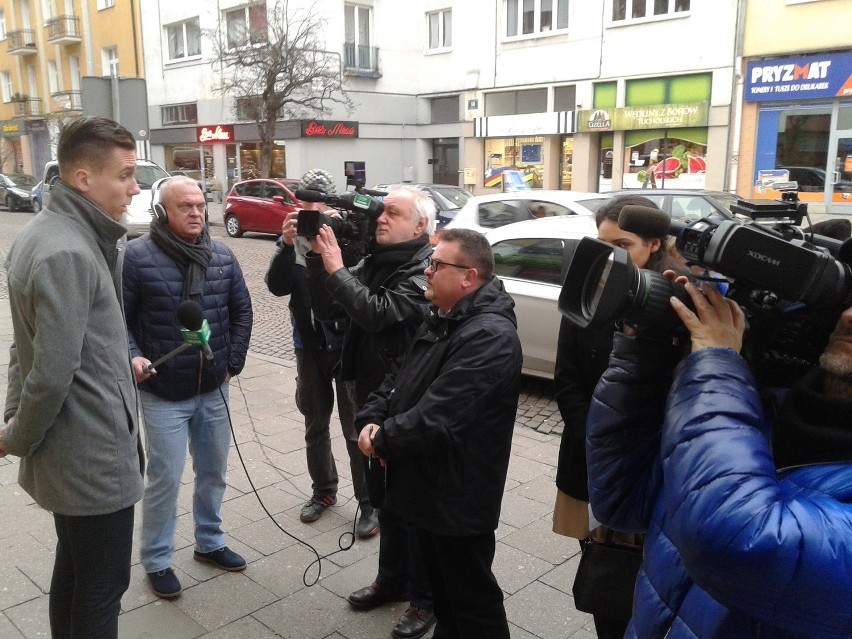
63, 30
26, 107
64, 101
21, 42
361, 60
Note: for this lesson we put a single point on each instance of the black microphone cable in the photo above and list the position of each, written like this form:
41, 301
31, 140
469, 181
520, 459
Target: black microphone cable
349, 536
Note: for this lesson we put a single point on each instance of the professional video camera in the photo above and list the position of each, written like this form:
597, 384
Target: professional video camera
791, 289
355, 229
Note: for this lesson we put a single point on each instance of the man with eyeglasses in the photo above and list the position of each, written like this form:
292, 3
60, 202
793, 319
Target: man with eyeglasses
382, 300
442, 425
184, 400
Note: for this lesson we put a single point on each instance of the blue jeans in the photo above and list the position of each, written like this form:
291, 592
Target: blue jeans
202, 423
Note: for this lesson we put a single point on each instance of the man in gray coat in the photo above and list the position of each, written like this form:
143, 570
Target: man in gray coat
71, 405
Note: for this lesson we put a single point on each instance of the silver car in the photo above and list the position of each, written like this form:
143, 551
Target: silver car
531, 259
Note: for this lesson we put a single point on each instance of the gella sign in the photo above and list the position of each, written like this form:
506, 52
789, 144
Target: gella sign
218, 133
329, 129
827, 75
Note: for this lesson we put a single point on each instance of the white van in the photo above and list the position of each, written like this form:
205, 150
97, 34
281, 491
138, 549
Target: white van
139, 212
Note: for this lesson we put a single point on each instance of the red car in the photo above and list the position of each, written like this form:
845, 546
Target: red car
259, 205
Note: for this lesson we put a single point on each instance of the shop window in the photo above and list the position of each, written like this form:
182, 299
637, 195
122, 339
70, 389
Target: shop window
643, 9
673, 159
246, 25
566, 165
537, 260
179, 113
184, 39
521, 155
535, 17
440, 25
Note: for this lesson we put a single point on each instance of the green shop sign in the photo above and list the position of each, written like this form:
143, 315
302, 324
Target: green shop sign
653, 116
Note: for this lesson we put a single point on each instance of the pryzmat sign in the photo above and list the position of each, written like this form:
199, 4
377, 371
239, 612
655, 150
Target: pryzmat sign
806, 77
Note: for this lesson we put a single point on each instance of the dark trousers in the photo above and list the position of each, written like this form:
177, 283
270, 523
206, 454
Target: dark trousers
401, 565
91, 573
315, 400
468, 600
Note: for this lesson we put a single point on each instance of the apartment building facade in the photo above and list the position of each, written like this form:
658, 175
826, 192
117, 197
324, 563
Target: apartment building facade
48, 46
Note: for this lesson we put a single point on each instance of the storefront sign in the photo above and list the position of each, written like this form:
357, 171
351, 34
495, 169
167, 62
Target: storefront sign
329, 129
653, 116
811, 77
523, 124
218, 133
10, 130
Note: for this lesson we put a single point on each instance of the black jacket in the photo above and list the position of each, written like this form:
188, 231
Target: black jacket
582, 357
382, 317
447, 416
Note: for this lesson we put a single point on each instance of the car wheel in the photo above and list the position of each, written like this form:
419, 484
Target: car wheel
232, 226
36, 206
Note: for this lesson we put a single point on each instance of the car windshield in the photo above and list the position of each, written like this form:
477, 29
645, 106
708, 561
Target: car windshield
593, 204
455, 198
22, 180
146, 175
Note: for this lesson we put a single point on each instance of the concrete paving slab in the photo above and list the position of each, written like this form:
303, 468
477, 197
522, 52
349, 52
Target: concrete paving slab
158, 620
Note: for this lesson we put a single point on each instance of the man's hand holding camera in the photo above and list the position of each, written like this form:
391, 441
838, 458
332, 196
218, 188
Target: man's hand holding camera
717, 321
325, 245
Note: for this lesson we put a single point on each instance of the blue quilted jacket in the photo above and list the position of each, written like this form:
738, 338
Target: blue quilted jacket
734, 549
153, 285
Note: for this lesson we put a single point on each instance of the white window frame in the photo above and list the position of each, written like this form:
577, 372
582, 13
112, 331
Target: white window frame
109, 62
649, 12
180, 113
2, 24
185, 55
105, 4
52, 77
539, 30
355, 40
444, 17
6, 86
248, 33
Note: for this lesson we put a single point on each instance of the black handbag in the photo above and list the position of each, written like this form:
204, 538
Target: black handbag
606, 577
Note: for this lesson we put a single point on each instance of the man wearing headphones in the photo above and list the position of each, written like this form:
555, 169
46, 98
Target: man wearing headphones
184, 401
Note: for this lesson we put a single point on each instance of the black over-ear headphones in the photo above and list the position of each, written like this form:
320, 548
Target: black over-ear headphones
159, 209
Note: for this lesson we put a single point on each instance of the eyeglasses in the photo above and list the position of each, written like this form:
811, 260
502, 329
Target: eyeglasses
187, 208
434, 265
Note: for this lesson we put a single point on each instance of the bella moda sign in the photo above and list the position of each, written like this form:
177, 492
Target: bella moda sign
654, 116
218, 133
329, 129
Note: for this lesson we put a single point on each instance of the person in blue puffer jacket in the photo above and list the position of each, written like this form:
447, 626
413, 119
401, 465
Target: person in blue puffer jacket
184, 402
749, 532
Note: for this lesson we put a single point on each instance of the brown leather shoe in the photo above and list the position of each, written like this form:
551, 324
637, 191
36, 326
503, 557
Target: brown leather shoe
374, 595
414, 623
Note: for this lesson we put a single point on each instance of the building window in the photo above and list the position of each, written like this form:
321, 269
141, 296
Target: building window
6, 85
52, 77
180, 113
105, 4
359, 53
532, 17
184, 39
639, 9
440, 29
445, 109
109, 62
2, 24
246, 25
515, 102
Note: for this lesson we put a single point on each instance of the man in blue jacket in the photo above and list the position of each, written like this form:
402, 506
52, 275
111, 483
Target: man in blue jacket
749, 532
185, 400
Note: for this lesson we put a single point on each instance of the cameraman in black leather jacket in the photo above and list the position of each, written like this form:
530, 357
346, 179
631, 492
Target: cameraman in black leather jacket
382, 298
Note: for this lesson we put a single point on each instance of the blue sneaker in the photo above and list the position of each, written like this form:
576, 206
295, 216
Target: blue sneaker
165, 583
224, 558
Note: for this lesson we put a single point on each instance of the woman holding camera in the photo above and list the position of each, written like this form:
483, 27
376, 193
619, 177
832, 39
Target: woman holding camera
582, 357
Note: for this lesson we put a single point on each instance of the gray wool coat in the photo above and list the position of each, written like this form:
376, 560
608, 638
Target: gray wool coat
71, 387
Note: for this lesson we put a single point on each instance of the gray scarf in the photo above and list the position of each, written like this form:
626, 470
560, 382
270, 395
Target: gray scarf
192, 259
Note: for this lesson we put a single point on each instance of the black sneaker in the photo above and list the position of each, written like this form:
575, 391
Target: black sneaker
224, 558
165, 583
315, 507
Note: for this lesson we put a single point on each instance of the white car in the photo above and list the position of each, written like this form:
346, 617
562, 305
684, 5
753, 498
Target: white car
139, 211
484, 213
531, 259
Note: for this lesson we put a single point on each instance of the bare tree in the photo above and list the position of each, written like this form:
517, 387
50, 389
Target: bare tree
283, 72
